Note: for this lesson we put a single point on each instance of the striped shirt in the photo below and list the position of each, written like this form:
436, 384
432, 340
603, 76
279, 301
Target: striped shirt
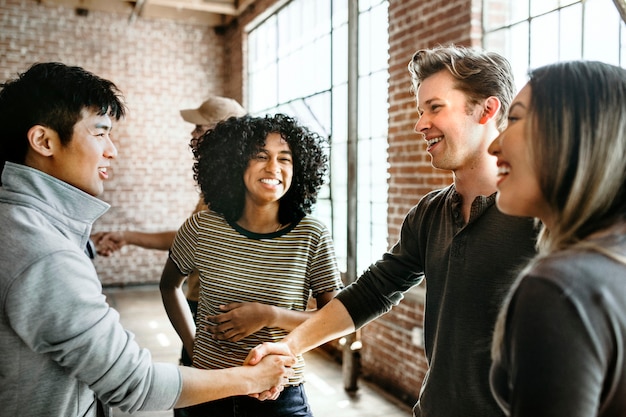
281, 269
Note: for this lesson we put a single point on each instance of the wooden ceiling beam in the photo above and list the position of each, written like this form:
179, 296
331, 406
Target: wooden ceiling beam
212, 13
104, 6
220, 7
137, 10
151, 10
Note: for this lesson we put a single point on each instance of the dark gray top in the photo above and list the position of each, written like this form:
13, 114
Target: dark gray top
563, 351
468, 269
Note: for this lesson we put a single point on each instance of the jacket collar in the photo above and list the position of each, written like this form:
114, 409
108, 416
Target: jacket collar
61, 202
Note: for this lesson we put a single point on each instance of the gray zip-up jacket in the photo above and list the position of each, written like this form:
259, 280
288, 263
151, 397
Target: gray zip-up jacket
61, 345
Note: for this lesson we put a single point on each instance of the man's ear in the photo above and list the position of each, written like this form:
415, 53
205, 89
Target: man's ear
42, 140
490, 109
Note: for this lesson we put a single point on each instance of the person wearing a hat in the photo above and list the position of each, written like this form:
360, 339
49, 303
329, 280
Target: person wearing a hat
213, 110
64, 350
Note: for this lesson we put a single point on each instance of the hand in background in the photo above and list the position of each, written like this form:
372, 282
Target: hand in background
108, 242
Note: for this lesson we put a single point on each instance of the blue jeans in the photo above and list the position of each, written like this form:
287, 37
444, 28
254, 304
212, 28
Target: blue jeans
185, 359
292, 402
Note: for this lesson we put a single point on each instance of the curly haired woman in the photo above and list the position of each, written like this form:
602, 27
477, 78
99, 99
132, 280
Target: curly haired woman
259, 252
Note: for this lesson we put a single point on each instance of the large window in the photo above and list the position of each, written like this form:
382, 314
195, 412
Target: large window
531, 33
297, 63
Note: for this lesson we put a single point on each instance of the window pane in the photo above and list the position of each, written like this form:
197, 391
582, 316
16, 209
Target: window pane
364, 39
297, 64
571, 30
520, 51
319, 61
263, 44
339, 171
500, 13
378, 114
322, 18
340, 12
364, 108
314, 112
340, 55
538, 7
559, 30
544, 40
289, 28
264, 95
513, 44
379, 44
601, 38
340, 114
339, 194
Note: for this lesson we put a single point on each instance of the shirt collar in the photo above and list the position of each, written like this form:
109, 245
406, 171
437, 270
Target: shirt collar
65, 203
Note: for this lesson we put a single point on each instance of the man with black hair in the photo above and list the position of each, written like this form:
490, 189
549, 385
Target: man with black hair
64, 351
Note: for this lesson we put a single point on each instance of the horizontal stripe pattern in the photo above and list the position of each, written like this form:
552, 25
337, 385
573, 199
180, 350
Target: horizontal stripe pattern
280, 269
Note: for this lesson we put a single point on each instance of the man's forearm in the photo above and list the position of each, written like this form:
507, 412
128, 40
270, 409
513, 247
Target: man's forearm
202, 385
329, 323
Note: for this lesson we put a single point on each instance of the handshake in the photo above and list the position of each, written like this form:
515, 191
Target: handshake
273, 362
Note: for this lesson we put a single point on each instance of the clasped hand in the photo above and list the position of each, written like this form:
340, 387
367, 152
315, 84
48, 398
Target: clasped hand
261, 351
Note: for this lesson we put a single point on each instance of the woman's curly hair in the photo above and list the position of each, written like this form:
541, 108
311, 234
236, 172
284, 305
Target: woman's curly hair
222, 155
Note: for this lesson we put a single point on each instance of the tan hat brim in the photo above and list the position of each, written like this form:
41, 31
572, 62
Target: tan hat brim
193, 116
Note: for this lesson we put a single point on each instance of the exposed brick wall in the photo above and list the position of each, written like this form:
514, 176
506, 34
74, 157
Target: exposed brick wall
161, 67
389, 357
415, 25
